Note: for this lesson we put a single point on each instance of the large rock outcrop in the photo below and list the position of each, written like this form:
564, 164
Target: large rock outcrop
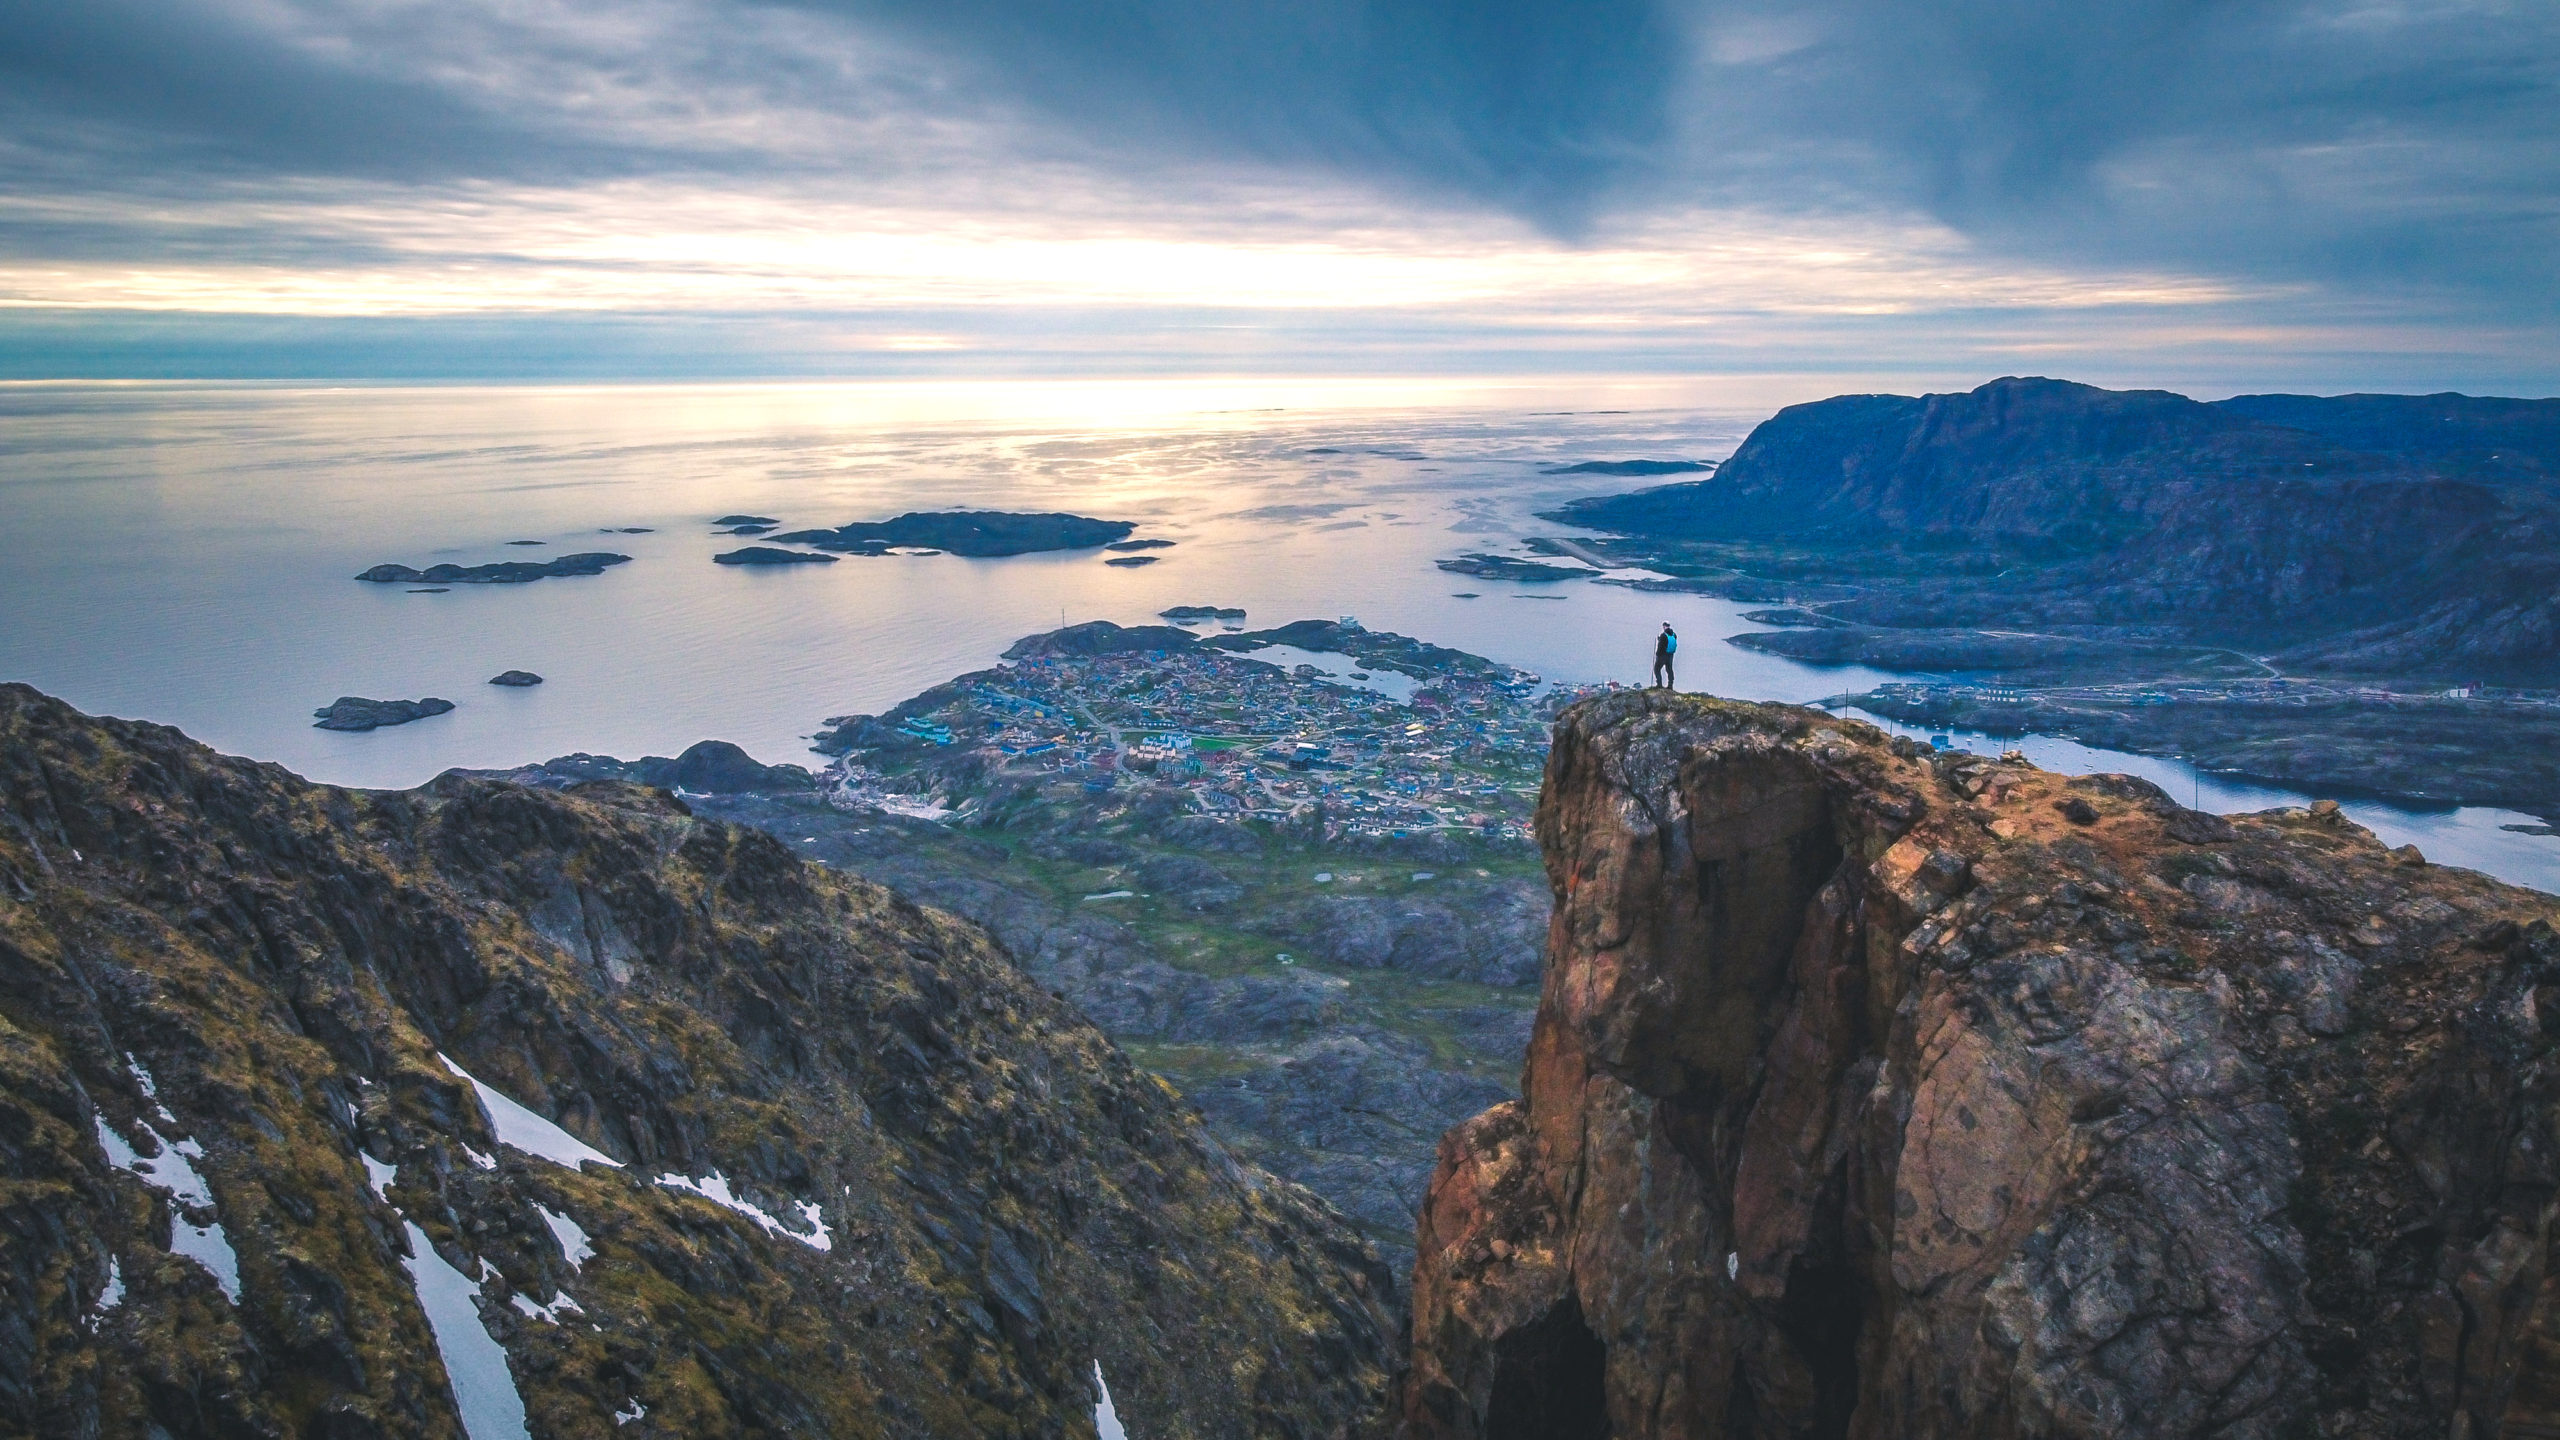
296, 1083
1879, 1094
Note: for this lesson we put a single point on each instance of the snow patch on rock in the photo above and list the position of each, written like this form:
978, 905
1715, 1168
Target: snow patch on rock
483, 1388
1106, 1420
171, 1173
715, 1188
573, 1240
520, 1129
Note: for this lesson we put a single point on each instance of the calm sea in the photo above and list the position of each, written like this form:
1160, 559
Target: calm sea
185, 554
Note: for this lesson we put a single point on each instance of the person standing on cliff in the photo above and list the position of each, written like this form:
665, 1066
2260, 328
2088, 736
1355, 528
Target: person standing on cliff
1665, 645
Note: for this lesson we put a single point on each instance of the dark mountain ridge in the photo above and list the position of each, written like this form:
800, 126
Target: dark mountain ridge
2087, 506
851, 1172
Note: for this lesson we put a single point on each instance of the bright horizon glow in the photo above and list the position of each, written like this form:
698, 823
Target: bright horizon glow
2349, 195
1084, 404
652, 247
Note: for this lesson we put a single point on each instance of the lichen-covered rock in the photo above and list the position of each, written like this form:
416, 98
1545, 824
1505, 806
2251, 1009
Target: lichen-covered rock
1882, 1094
866, 1178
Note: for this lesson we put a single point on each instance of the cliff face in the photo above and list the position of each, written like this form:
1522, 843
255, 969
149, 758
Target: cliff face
2100, 507
846, 1170
1881, 1095
2027, 461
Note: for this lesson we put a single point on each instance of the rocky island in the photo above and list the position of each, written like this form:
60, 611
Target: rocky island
354, 712
2151, 570
1888, 1093
349, 1113
1509, 567
768, 555
504, 572
980, 534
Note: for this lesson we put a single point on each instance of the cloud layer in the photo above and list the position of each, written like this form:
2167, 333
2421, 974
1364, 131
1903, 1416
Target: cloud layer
1612, 172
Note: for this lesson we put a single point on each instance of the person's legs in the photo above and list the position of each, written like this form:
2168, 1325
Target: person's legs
1669, 680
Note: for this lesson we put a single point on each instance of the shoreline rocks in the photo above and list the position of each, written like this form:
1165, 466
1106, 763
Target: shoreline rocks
517, 679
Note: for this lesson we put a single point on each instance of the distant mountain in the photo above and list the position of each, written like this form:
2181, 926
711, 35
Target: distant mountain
2090, 505
2041, 463
2478, 437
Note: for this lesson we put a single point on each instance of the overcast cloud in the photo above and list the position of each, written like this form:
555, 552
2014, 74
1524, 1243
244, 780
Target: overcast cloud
1627, 178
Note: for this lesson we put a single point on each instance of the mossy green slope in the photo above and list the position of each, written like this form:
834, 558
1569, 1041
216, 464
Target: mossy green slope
1008, 1199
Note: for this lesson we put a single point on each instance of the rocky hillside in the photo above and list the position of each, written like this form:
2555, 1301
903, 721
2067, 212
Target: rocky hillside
486, 1110
2031, 502
2477, 437
1880, 1093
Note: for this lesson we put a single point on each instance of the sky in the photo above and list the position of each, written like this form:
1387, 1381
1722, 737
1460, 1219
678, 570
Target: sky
2211, 195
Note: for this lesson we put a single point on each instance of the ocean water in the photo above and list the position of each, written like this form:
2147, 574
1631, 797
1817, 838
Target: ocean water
185, 554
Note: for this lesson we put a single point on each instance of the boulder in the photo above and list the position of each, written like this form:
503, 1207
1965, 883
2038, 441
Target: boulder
1191, 883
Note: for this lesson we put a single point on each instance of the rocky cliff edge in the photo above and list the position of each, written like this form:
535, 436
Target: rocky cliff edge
339, 1114
1882, 1094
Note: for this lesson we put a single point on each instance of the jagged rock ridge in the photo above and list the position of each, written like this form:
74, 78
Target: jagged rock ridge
224, 994
1881, 1095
